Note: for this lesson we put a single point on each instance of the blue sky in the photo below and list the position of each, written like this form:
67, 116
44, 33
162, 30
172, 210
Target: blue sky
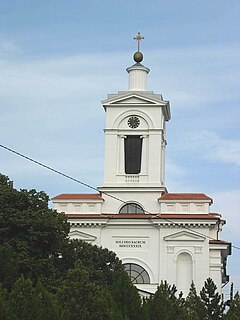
59, 59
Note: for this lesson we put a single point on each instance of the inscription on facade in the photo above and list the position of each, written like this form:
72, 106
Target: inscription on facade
130, 243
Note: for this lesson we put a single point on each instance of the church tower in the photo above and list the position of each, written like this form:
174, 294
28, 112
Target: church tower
157, 235
135, 140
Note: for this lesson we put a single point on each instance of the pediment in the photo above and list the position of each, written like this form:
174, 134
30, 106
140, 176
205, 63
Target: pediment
184, 236
75, 234
134, 98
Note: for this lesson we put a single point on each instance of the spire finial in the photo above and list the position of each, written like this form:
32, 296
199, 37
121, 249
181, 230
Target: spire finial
138, 56
138, 38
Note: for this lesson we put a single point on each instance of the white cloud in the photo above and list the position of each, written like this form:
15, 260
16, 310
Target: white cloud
52, 81
189, 76
197, 76
228, 203
216, 148
9, 47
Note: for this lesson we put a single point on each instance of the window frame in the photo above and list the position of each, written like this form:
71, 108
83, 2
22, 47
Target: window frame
132, 154
131, 206
136, 273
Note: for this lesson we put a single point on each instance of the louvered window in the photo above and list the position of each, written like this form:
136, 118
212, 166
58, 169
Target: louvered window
133, 154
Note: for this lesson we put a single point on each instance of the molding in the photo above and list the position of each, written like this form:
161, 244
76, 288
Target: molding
76, 234
144, 97
184, 236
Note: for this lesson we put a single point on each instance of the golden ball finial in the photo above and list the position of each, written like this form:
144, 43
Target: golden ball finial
138, 56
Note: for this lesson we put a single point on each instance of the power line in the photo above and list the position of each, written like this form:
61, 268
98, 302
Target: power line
95, 189
57, 171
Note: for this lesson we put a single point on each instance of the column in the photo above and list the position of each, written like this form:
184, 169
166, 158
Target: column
144, 162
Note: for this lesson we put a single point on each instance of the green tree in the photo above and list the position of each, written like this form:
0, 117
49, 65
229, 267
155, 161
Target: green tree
196, 309
165, 305
102, 264
22, 300
146, 306
46, 307
126, 297
8, 268
233, 312
5, 308
83, 299
32, 303
212, 300
30, 233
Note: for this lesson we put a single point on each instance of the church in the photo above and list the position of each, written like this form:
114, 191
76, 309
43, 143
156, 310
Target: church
158, 235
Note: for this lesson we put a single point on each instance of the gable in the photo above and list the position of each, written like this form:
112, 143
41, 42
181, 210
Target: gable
76, 234
184, 236
134, 100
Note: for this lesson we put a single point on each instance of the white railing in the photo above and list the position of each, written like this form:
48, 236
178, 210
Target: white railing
132, 178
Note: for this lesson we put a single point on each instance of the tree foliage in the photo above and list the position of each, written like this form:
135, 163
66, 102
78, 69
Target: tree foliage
233, 312
165, 305
103, 265
126, 297
45, 275
30, 233
212, 300
83, 299
195, 307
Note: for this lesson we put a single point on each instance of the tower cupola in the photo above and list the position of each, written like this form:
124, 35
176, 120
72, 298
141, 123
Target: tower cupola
138, 72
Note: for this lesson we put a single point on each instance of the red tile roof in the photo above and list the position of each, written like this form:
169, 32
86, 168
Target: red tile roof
109, 216
189, 216
144, 216
78, 196
185, 196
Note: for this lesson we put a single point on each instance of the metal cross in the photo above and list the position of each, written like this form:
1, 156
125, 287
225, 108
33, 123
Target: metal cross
138, 38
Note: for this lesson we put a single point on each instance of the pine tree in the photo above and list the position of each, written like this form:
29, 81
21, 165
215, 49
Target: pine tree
212, 300
5, 308
196, 309
233, 312
126, 297
83, 299
22, 300
146, 306
46, 307
165, 305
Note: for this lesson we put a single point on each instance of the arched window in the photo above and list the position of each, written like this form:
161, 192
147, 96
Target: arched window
184, 272
131, 208
136, 273
133, 152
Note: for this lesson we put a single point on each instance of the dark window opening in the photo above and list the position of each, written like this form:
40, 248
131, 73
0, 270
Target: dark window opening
136, 273
131, 208
133, 154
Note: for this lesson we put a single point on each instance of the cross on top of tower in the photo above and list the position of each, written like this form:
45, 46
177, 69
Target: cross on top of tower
138, 38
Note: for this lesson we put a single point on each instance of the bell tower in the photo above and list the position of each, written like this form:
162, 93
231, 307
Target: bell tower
135, 141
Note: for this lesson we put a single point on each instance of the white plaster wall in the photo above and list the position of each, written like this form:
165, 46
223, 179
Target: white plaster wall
151, 125
145, 198
191, 207
215, 265
78, 207
158, 256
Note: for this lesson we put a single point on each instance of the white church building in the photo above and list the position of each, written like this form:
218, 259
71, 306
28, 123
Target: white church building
158, 235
